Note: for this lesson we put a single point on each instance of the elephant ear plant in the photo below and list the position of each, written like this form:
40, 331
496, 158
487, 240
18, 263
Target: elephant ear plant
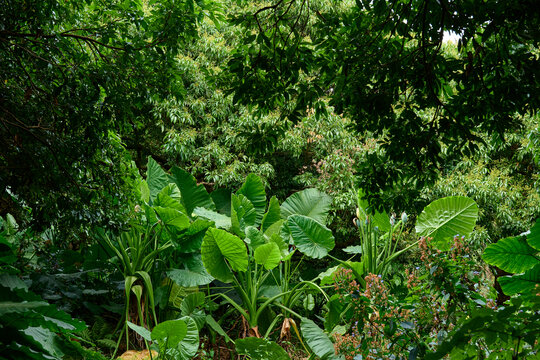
259, 245
162, 223
380, 234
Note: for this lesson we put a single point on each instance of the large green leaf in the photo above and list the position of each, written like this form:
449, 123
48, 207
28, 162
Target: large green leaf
254, 238
156, 178
268, 255
189, 277
191, 302
260, 349
447, 217
512, 254
46, 339
243, 214
381, 220
172, 218
170, 197
310, 202
309, 236
222, 199
534, 236
144, 191
189, 345
12, 306
191, 240
220, 247
193, 195
317, 340
253, 189
221, 221
189, 307
273, 214
521, 284
170, 332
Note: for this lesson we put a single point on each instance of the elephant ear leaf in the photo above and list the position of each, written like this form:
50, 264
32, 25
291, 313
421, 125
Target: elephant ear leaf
268, 255
189, 345
253, 189
521, 284
260, 349
381, 220
193, 195
317, 340
272, 216
444, 218
243, 214
534, 236
170, 332
512, 254
156, 178
221, 252
170, 197
309, 236
310, 202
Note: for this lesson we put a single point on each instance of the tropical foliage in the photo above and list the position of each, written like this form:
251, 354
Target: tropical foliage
218, 179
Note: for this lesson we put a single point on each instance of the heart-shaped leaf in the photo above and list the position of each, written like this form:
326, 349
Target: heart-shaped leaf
219, 248
268, 255
309, 202
512, 254
447, 217
310, 237
253, 189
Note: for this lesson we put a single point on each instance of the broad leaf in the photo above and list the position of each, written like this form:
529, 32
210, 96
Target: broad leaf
254, 238
447, 217
274, 229
268, 255
310, 202
191, 240
156, 178
191, 302
170, 332
534, 236
353, 249
273, 214
189, 345
253, 189
317, 340
521, 284
260, 349
219, 248
145, 191
381, 220
170, 197
221, 221
283, 248
172, 218
11, 306
46, 339
309, 236
193, 195
190, 278
512, 254
222, 200
243, 214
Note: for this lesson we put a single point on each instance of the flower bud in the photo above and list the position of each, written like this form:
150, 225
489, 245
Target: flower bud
403, 217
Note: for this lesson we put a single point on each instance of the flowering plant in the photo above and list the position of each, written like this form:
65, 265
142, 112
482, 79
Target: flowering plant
386, 325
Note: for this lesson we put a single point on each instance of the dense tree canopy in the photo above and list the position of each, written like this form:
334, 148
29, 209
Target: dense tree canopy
75, 76
385, 64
